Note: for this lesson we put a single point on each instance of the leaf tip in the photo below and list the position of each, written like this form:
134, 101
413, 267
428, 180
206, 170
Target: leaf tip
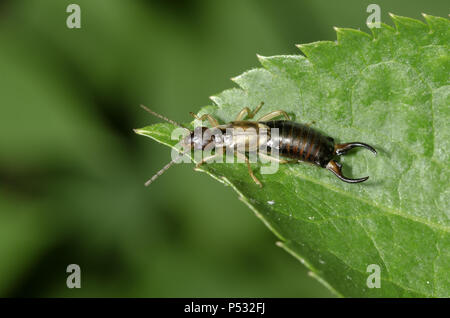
261, 58
238, 78
215, 99
301, 47
428, 20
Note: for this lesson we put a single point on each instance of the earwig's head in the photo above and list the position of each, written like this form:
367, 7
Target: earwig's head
195, 140
341, 149
202, 138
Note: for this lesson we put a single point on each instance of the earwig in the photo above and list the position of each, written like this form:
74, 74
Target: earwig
298, 142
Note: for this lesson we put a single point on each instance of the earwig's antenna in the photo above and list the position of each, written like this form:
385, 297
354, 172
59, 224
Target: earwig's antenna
170, 164
163, 117
164, 169
160, 172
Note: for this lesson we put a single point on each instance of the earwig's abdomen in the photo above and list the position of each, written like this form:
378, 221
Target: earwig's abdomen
298, 141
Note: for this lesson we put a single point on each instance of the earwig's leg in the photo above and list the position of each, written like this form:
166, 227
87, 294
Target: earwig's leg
310, 123
274, 114
212, 121
335, 167
242, 114
256, 110
205, 160
250, 171
341, 149
250, 114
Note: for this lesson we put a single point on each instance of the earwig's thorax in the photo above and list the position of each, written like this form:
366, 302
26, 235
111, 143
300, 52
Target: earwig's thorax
243, 135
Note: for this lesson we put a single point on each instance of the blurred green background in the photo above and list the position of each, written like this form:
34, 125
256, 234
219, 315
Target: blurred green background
72, 170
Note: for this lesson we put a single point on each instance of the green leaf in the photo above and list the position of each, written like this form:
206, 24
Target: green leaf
390, 90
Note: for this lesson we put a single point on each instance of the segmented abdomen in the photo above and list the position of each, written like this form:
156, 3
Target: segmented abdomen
298, 141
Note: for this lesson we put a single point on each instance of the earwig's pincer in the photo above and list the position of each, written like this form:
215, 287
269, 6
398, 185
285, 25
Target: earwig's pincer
335, 167
342, 149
